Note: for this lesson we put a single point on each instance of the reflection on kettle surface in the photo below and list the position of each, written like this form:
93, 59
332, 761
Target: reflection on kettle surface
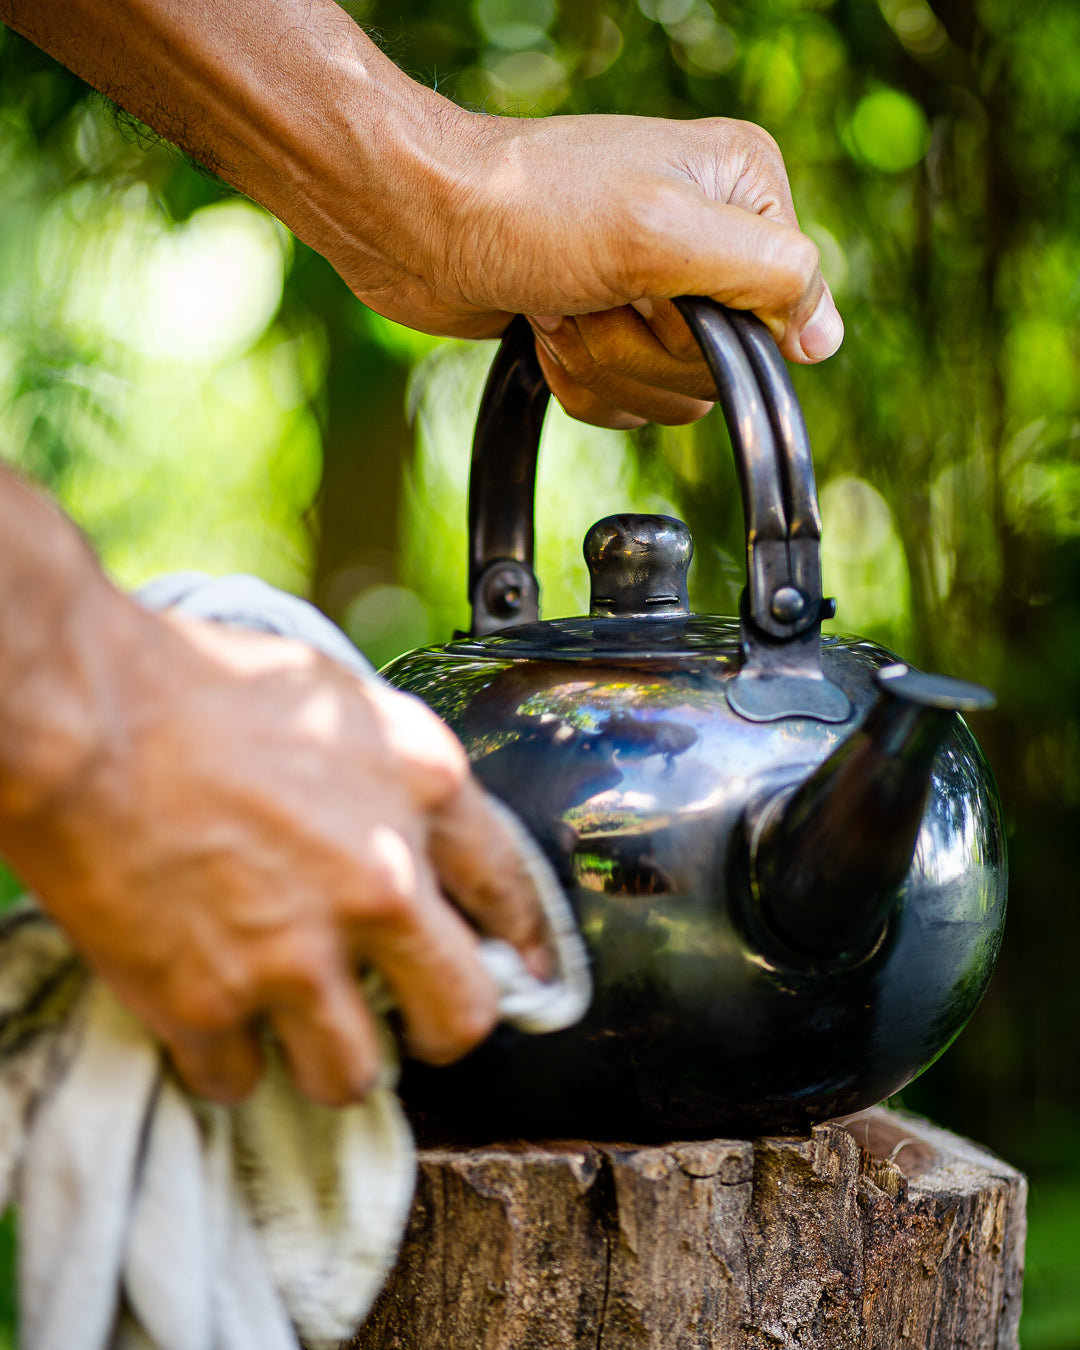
785, 851
642, 784
576, 762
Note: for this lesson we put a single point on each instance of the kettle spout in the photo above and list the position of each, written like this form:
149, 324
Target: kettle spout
827, 858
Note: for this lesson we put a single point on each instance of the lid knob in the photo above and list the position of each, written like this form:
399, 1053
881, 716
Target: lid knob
638, 566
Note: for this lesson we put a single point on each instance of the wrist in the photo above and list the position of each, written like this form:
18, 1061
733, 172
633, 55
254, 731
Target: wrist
61, 618
379, 182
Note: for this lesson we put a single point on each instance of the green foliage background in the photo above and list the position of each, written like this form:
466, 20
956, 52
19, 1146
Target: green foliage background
201, 391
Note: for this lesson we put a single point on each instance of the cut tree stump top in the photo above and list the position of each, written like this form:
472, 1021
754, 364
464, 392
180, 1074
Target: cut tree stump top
880, 1233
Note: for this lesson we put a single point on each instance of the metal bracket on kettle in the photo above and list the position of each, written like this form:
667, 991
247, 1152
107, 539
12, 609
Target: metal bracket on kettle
782, 606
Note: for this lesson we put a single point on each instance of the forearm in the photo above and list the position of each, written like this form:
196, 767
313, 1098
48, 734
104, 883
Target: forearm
451, 222
290, 102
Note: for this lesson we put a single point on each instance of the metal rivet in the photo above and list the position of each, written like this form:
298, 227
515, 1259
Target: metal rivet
788, 604
507, 600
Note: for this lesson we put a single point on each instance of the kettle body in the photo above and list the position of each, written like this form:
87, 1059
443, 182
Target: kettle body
784, 851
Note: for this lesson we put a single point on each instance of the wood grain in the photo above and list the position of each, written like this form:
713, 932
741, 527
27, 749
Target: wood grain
879, 1233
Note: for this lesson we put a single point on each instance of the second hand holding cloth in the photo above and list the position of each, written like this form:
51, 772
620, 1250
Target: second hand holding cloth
152, 1219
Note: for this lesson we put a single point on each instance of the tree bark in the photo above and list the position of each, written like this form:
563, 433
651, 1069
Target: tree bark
881, 1233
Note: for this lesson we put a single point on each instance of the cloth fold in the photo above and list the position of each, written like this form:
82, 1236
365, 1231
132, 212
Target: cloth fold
151, 1220
148, 1218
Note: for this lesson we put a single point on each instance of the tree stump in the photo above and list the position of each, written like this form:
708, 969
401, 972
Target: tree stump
879, 1233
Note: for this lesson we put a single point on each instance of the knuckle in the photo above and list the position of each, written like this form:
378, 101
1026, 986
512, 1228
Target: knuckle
334, 1094
443, 776
753, 164
225, 1074
681, 343
756, 139
297, 979
794, 265
468, 1027
388, 895
430, 756
608, 341
749, 145
202, 1009
386, 906
573, 356
645, 231
582, 405
805, 261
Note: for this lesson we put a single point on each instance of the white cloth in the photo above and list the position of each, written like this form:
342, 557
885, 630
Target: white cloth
154, 1221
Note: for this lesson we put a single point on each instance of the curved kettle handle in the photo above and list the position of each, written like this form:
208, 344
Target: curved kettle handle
772, 455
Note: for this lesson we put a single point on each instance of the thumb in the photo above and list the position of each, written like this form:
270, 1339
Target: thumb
747, 261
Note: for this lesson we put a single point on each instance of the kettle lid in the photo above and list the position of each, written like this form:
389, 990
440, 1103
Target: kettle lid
638, 605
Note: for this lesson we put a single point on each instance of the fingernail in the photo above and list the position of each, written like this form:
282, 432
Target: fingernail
824, 333
548, 322
645, 307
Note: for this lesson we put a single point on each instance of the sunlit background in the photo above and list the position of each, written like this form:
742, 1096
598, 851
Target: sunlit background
201, 391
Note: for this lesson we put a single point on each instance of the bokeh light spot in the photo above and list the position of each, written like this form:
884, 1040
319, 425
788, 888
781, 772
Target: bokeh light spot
533, 76
514, 24
889, 131
773, 81
666, 11
202, 292
384, 621
605, 49
915, 24
863, 560
708, 48
213, 285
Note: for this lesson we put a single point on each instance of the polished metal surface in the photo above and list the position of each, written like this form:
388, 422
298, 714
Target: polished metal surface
781, 679
776, 470
637, 566
827, 858
636, 776
785, 851
502, 485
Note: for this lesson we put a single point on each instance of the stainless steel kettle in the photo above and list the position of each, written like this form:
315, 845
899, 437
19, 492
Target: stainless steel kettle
785, 851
